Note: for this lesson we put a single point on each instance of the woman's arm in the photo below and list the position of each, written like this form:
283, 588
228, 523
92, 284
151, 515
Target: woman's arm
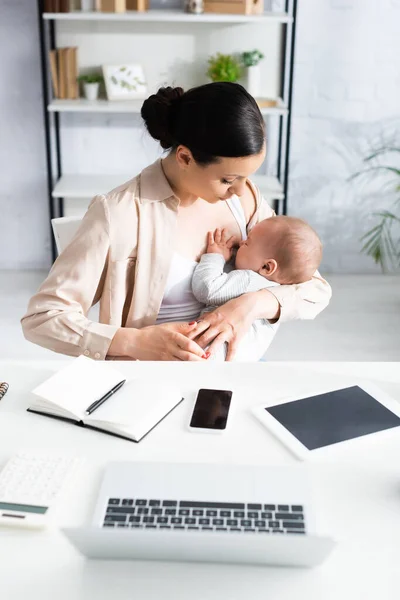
56, 316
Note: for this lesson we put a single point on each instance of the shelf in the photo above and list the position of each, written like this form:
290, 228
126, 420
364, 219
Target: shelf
168, 15
87, 186
129, 106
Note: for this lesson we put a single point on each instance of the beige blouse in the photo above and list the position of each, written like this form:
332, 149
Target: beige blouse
120, 256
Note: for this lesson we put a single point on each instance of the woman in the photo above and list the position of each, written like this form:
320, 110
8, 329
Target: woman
138, 245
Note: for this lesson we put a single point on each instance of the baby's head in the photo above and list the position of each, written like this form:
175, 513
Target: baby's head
282, 249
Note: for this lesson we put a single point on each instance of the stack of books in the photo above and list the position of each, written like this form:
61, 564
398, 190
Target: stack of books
64, 73
57, 6
51, 6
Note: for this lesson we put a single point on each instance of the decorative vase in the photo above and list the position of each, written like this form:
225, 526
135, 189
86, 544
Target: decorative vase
196, 7
254, 80
91, 91
87, 5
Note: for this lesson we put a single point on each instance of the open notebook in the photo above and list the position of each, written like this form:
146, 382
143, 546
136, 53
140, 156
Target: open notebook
137, 407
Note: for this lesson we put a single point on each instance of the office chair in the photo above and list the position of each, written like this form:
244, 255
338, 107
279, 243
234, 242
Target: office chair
64, 229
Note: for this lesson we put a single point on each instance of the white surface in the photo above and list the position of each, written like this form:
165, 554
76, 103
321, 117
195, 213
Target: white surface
356, 491
130, 106
168, 16
87, 186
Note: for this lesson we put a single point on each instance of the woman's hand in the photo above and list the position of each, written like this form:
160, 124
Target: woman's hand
231, 321
167, 341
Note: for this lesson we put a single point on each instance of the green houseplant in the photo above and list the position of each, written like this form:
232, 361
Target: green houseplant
224, 67
251, 60
382, 242
91, 78
91, 83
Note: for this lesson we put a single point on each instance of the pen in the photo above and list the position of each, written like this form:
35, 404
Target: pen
99, 402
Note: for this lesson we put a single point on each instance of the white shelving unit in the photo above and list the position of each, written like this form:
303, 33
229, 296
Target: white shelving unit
169, 15
84, 186
130, 106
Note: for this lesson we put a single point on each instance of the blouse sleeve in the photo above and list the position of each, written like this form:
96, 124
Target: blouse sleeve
57, 314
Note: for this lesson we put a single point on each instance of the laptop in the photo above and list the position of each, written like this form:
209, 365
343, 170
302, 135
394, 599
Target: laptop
203, 512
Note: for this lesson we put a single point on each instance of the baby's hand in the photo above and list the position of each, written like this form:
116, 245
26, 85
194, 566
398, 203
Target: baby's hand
220, 242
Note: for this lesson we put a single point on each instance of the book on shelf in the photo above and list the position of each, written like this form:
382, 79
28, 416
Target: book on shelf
113, 6
53, 71
132, 408
64, 72
139, 5
63, 6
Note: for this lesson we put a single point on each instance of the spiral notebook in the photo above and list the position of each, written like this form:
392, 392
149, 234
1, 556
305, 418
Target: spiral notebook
131, 413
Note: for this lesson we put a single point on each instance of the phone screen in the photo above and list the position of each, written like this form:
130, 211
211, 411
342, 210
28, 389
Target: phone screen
211, 409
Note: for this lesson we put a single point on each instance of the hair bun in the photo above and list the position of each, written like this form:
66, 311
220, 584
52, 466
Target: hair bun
158, 114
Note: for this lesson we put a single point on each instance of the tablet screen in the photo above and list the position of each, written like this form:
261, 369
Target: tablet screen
333, 417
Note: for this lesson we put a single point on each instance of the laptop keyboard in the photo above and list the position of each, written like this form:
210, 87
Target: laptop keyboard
142, 513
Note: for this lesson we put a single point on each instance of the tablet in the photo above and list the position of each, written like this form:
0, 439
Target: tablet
307, 425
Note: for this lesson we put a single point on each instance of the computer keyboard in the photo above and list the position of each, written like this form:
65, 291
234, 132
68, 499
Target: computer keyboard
138, 513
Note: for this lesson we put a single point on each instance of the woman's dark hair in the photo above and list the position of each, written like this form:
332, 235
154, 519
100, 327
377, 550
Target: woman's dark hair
214, 120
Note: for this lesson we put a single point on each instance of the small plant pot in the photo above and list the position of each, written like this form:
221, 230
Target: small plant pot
254, 80
87, 5
195, 7
91, 91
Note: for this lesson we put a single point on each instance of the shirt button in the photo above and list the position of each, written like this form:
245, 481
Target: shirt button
97, 355
86, 353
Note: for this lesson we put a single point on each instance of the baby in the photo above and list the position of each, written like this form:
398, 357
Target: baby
278, 251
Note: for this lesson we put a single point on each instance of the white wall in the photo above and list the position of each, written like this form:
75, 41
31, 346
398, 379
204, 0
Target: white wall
346, 100
346, 93
24, 224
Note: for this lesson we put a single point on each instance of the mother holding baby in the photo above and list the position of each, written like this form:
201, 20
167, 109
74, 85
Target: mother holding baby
138, 247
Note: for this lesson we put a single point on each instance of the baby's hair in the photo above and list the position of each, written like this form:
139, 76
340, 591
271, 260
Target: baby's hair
298, 250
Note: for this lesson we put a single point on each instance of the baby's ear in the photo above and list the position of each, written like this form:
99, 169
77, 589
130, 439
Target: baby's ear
269, 267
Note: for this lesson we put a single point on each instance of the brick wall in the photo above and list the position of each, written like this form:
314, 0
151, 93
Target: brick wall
346, 100
346, 96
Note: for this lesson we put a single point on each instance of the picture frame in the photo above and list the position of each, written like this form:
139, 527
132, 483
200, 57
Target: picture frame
125, 82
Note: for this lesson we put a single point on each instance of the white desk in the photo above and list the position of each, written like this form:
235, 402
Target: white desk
357, 492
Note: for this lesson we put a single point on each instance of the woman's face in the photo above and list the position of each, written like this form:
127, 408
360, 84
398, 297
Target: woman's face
221, 180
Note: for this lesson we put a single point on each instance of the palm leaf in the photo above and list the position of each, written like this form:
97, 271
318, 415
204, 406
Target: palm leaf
379, 243
375, 168
380, 151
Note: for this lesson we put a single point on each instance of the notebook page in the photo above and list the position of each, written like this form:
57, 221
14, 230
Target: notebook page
79, 384
137, 406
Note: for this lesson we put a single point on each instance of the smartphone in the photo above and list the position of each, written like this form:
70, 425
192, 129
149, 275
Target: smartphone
211, 411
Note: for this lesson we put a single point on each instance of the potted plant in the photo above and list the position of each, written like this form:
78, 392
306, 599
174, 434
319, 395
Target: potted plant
224, 67
251, 60
87, 5
382, 242
91, 83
